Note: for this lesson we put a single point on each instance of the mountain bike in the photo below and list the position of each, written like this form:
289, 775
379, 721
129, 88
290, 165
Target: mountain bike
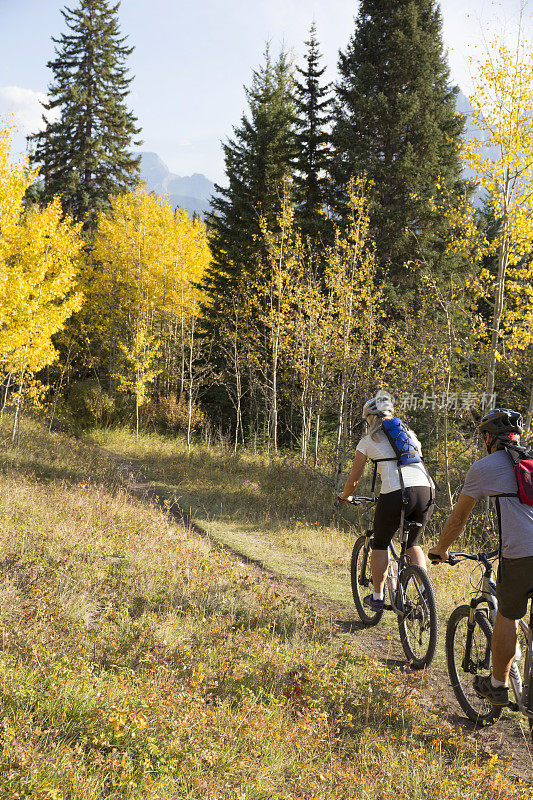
468, 648
409, 588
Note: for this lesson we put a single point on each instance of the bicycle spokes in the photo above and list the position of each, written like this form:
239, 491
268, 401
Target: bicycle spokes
417, 620
467, 655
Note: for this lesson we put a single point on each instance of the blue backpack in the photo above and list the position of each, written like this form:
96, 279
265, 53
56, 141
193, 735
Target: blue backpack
402, 441
405, 449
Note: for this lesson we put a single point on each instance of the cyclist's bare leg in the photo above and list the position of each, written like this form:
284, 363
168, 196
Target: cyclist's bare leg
504, 639
416, 556
379, 561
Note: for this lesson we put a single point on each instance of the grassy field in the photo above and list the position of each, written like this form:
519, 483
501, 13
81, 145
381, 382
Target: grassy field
276, 511
270, 509
138, 662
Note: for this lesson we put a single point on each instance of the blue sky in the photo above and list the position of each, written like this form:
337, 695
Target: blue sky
192, 59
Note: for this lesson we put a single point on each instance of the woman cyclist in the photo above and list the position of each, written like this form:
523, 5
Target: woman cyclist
419, 491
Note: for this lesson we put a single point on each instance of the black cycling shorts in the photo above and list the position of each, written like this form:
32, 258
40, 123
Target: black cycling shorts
388, 511
514, 586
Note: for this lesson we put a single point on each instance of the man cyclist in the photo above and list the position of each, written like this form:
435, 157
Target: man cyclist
493, 476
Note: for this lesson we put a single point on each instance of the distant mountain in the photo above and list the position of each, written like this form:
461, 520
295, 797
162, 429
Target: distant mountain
192, 192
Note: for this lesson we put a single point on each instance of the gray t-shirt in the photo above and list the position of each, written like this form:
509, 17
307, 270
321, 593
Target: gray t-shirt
494, 475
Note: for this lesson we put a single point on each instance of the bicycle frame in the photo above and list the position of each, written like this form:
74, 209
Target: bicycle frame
519, 685
395, 567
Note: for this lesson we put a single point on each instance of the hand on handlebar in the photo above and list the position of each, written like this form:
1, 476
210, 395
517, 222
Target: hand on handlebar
438, 556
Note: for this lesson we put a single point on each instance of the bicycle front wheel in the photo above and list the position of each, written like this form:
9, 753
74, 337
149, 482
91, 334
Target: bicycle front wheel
463, 666
418, 624
530, 706
530, 700
361, 578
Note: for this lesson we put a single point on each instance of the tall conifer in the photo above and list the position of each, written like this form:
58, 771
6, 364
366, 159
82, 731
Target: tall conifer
86, 154
395, 121
257, 160
313, 102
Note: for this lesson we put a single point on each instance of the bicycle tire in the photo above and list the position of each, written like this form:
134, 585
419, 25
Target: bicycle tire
419, 625
530, 702
361, 577
480, 711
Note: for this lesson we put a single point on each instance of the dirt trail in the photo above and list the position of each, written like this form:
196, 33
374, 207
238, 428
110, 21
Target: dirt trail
507, 739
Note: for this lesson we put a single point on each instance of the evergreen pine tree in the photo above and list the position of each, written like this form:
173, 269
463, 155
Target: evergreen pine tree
85, 155
313, 101
395, 121
257, 160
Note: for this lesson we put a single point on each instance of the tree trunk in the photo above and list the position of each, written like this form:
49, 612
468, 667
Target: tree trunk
6, 395
503, 258
274, 409
63, 372
16, 421
529, 413
191, 384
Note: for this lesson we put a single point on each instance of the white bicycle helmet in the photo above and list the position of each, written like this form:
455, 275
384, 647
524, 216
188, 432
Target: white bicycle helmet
380, 405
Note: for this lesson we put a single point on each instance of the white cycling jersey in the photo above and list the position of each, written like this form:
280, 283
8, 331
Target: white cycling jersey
412, 474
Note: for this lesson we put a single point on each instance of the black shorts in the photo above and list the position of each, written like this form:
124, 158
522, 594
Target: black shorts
389, 509
514, 586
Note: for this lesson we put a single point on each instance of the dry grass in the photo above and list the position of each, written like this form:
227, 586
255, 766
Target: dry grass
272, 510
136, 662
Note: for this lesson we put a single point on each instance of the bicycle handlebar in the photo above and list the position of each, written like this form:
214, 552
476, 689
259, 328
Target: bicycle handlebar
356, 499
455, 558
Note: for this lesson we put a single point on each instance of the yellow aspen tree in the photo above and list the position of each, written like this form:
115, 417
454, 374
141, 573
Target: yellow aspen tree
311, 333
363, 344
39, 265
517, 328
320, 326
275, 288
502, 105
148, 262
235, 345
139, 357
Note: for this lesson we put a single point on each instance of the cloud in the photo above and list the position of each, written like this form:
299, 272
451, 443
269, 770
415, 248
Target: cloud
24, 107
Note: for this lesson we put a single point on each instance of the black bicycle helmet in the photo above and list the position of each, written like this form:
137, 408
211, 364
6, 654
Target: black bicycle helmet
502, 422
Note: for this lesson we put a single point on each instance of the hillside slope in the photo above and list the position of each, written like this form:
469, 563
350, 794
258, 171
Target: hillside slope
139, 662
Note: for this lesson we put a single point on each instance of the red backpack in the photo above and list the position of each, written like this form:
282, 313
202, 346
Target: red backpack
522, 461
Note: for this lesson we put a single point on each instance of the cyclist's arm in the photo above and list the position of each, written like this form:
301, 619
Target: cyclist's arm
454, 526
355, 475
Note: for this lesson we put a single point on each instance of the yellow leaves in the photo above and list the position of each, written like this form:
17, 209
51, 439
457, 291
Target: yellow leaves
139, 358
150, 255
14, 181
317, 311
503, 111
39, 255
146, 267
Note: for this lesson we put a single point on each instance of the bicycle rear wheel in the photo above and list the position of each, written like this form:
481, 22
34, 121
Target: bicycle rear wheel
476, 708
530, 701
419, 624
530, 705
361, 578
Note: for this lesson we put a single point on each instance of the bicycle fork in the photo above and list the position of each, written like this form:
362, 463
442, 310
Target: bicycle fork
467, 664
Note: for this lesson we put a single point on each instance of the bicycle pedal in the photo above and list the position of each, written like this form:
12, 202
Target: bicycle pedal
513, 706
